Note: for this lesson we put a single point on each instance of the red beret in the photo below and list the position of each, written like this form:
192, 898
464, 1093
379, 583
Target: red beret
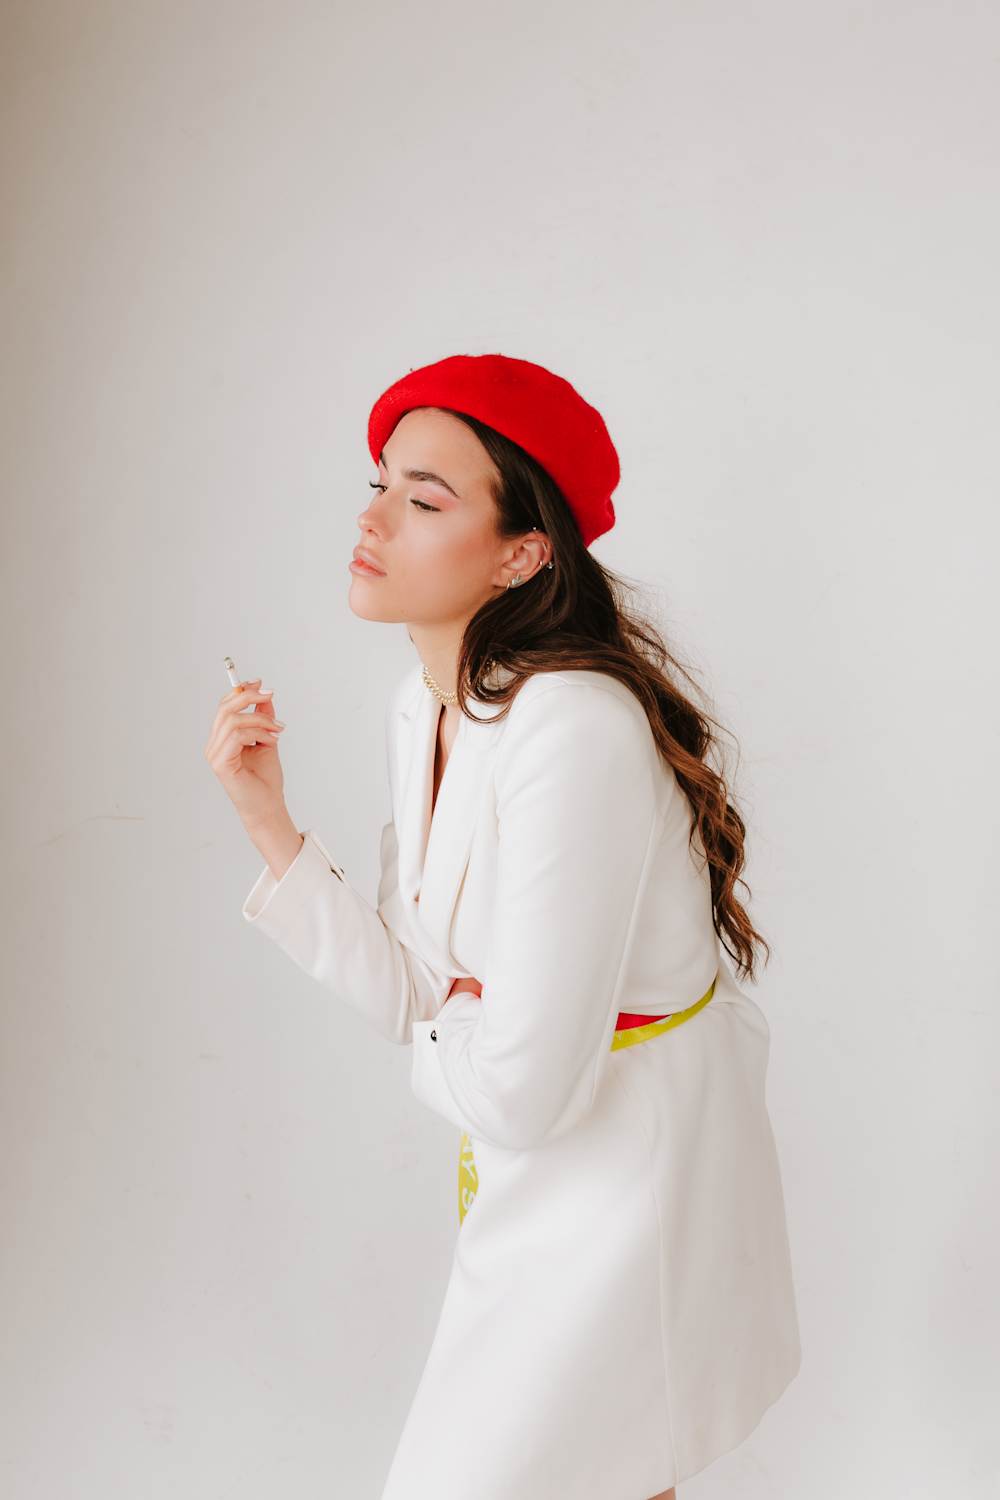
534, 408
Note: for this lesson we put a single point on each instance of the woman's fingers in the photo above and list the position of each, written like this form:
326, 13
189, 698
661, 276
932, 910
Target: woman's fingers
242, 750
234, 756
235, 693
225, 721
260, 732
229, 755
245, 694
233, 732
257, 721
235, 705
251, 729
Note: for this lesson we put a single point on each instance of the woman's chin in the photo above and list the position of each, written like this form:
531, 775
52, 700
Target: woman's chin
369, 603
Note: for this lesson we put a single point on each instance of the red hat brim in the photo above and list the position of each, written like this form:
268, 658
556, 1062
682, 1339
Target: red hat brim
539, 411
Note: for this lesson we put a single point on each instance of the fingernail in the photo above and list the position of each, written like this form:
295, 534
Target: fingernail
278, 724
266, 692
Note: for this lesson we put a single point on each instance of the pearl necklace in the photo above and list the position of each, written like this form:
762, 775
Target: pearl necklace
439, 693
451, 698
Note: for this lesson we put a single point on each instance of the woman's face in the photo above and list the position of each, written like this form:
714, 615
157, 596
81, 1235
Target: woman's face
430, 554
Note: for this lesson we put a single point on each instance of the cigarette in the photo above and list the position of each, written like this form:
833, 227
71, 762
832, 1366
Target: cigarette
231, 673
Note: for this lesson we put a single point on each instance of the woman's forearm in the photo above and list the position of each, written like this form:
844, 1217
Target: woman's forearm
277, 838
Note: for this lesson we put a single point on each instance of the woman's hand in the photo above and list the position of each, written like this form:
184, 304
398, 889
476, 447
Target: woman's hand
242, 750
466, 987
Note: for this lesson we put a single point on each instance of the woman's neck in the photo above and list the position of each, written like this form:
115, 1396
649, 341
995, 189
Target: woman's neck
438, 648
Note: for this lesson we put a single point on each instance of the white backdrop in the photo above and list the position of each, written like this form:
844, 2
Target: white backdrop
762, 238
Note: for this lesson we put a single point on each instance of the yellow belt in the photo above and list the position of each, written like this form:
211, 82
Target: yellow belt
468, 1180
657, 1028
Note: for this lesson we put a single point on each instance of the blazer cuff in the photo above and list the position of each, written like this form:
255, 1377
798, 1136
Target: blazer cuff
427, 1078
274, 906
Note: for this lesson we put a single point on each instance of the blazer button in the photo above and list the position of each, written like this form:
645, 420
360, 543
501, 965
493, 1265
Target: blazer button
434, 1036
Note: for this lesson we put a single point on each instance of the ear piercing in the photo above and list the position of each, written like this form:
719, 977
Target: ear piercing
515, 583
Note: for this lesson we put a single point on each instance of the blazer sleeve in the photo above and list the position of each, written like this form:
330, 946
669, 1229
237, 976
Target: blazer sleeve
578, 829
330, 931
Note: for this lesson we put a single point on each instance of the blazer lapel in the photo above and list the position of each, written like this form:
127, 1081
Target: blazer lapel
448, 847
417, 736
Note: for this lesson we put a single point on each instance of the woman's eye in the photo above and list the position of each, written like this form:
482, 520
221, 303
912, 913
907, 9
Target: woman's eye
422, 504
376, 484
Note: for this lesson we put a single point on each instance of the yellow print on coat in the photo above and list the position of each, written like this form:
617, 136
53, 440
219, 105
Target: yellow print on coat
468, 1181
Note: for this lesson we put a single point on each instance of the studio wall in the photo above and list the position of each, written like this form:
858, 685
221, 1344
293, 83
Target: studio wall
762, 239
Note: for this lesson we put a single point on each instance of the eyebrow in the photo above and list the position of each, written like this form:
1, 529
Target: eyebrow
424, 476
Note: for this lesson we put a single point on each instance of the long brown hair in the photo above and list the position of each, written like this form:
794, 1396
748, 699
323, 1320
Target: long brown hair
578, 616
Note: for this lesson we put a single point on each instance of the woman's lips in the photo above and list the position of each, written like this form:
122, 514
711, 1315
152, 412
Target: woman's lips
364, 565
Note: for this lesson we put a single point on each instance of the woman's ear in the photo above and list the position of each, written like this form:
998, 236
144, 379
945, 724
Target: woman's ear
527, 556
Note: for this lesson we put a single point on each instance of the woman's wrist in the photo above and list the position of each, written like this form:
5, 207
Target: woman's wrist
277, 839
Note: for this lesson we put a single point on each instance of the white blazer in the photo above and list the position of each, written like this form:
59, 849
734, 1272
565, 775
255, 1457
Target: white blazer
601, 1335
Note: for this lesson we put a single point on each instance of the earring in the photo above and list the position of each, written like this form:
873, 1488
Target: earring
550, 563
515, 583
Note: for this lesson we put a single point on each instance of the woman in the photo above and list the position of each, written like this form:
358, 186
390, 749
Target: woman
561, 868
